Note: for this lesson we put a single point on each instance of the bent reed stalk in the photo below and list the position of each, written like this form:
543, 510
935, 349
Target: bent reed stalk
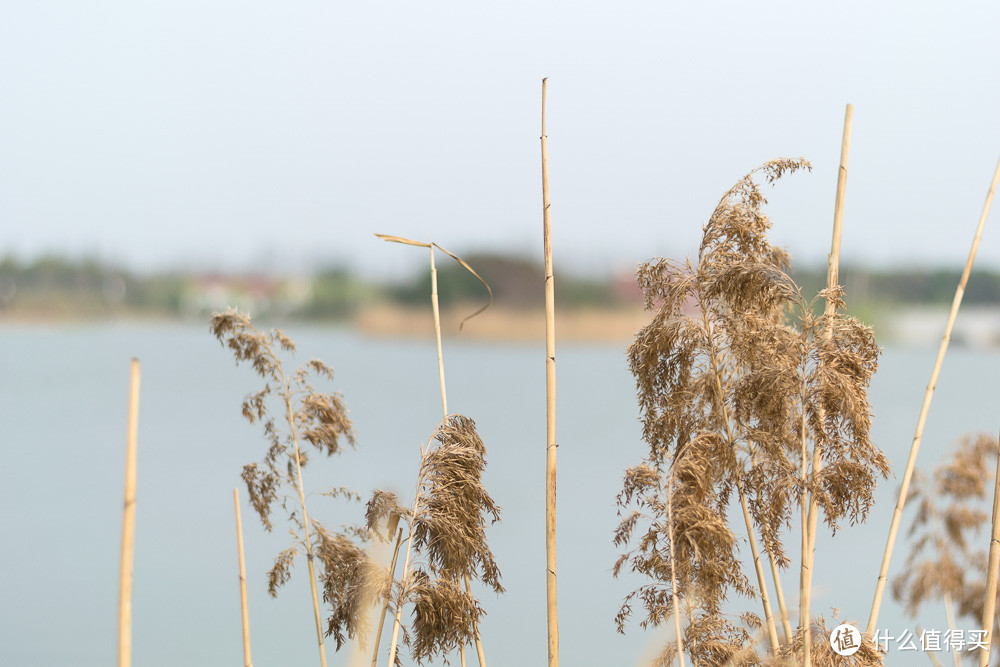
452, 427
925, 408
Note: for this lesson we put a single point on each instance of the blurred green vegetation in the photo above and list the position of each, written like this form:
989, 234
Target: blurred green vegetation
516, 283
54, 286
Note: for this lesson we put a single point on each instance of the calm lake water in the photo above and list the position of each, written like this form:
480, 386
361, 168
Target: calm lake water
62, 409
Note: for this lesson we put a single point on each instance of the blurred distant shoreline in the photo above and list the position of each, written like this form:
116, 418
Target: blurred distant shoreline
903, 305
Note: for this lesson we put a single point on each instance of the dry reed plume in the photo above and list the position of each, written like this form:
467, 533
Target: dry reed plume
446, 543
740, 382
304, 415
947, 559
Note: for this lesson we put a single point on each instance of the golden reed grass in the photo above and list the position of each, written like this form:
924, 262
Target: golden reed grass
738, 378
446, 544
305, 415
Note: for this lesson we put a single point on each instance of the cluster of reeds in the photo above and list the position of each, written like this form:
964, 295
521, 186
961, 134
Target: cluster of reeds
745, 392
446, 544
752, 397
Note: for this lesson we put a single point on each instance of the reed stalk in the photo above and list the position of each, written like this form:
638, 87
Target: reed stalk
397, 621
300, 487
772, 631
832, 278
128, 522
989, 604
247, 661
385, 600
925, 408
786, 626
552, 612
930, 654
673, 574
949, 612
805, 570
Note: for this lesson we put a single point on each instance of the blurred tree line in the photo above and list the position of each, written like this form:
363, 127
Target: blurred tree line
89, 287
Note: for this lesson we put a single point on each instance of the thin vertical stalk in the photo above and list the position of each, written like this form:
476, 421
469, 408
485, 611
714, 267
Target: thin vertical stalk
989, 604
805, 622
300, 487
772, 631
786, 626
949, 612
247, 661
437, 333
930, 654
673, 573
810, 508
832, 279
550, 409
479, 642
924, 408
385, 600
128, 522
397, 621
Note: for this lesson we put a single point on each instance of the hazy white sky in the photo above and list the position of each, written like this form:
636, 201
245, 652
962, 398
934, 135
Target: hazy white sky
275, 133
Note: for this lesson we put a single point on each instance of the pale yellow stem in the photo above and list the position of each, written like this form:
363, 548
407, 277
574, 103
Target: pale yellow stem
925, 408
128, 522
550, 410
989, 604
247, 661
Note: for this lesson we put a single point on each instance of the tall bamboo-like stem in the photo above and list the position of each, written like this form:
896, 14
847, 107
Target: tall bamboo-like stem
673, 573
385, 600
128, 522
924, 408
810, 509
772, 631
444, 408
550, 409
247, 661
989, 604
832, 279
300, 487
786, 625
